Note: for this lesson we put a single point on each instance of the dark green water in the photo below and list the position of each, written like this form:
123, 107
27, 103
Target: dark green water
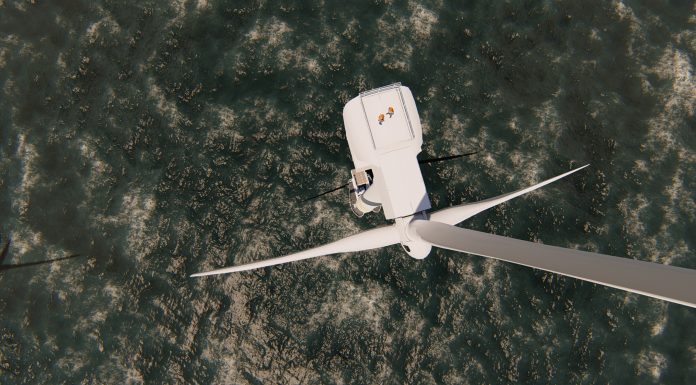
161, 140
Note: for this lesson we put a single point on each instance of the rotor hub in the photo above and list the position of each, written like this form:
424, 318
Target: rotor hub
412, 244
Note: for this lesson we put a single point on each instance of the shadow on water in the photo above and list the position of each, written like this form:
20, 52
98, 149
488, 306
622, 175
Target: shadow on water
5, 250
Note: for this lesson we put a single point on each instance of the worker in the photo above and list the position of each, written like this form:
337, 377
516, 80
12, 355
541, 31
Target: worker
390, 112
380, 118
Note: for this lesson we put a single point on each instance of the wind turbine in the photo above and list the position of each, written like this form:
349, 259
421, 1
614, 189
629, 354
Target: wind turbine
385, 136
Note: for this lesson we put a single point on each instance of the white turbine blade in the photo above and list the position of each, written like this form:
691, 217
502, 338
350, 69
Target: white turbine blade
456, 214
670, 283
370, 239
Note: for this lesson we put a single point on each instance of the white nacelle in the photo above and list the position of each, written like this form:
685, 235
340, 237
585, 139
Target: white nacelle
389, 148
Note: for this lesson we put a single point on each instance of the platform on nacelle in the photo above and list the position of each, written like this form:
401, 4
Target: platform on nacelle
396, 128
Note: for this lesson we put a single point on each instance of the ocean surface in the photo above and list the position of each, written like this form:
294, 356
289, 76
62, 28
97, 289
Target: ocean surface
159, 139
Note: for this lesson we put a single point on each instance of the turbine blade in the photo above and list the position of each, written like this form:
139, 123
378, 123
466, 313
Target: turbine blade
457, 214
326, 192
669, 283
370, 239
433, 160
